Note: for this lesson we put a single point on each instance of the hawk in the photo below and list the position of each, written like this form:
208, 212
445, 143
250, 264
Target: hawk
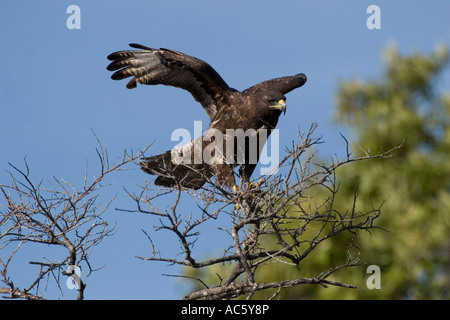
254, 112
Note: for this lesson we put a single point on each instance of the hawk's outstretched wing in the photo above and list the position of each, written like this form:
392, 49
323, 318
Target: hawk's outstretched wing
282, 85
171, 68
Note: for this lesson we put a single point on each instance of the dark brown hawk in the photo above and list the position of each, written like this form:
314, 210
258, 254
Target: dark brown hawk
252, 112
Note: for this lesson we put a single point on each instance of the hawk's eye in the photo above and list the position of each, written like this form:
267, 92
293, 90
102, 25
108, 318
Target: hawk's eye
271, 101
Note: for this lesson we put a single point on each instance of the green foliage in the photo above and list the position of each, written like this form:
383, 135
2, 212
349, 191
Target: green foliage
413, 253
412, 247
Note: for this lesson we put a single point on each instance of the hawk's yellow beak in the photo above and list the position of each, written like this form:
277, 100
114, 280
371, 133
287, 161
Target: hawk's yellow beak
281, 105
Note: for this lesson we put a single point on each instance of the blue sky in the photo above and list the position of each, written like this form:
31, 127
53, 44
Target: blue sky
55, 89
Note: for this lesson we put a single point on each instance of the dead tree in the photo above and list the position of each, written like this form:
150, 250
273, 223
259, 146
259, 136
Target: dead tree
275, 219
280, 206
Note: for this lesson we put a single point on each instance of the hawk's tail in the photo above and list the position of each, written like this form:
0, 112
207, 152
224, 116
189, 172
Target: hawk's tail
171, 174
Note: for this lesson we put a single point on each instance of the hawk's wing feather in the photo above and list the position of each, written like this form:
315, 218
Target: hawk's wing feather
172, 68
282, 85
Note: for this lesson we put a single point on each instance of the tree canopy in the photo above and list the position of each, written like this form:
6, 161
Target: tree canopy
404, 104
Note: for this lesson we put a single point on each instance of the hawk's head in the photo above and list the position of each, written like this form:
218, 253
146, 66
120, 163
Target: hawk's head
277, 103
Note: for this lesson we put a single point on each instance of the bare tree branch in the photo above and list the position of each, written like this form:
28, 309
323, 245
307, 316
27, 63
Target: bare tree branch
276, 218
54, 214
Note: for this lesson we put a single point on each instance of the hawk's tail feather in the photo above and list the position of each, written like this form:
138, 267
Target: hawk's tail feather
171, 174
